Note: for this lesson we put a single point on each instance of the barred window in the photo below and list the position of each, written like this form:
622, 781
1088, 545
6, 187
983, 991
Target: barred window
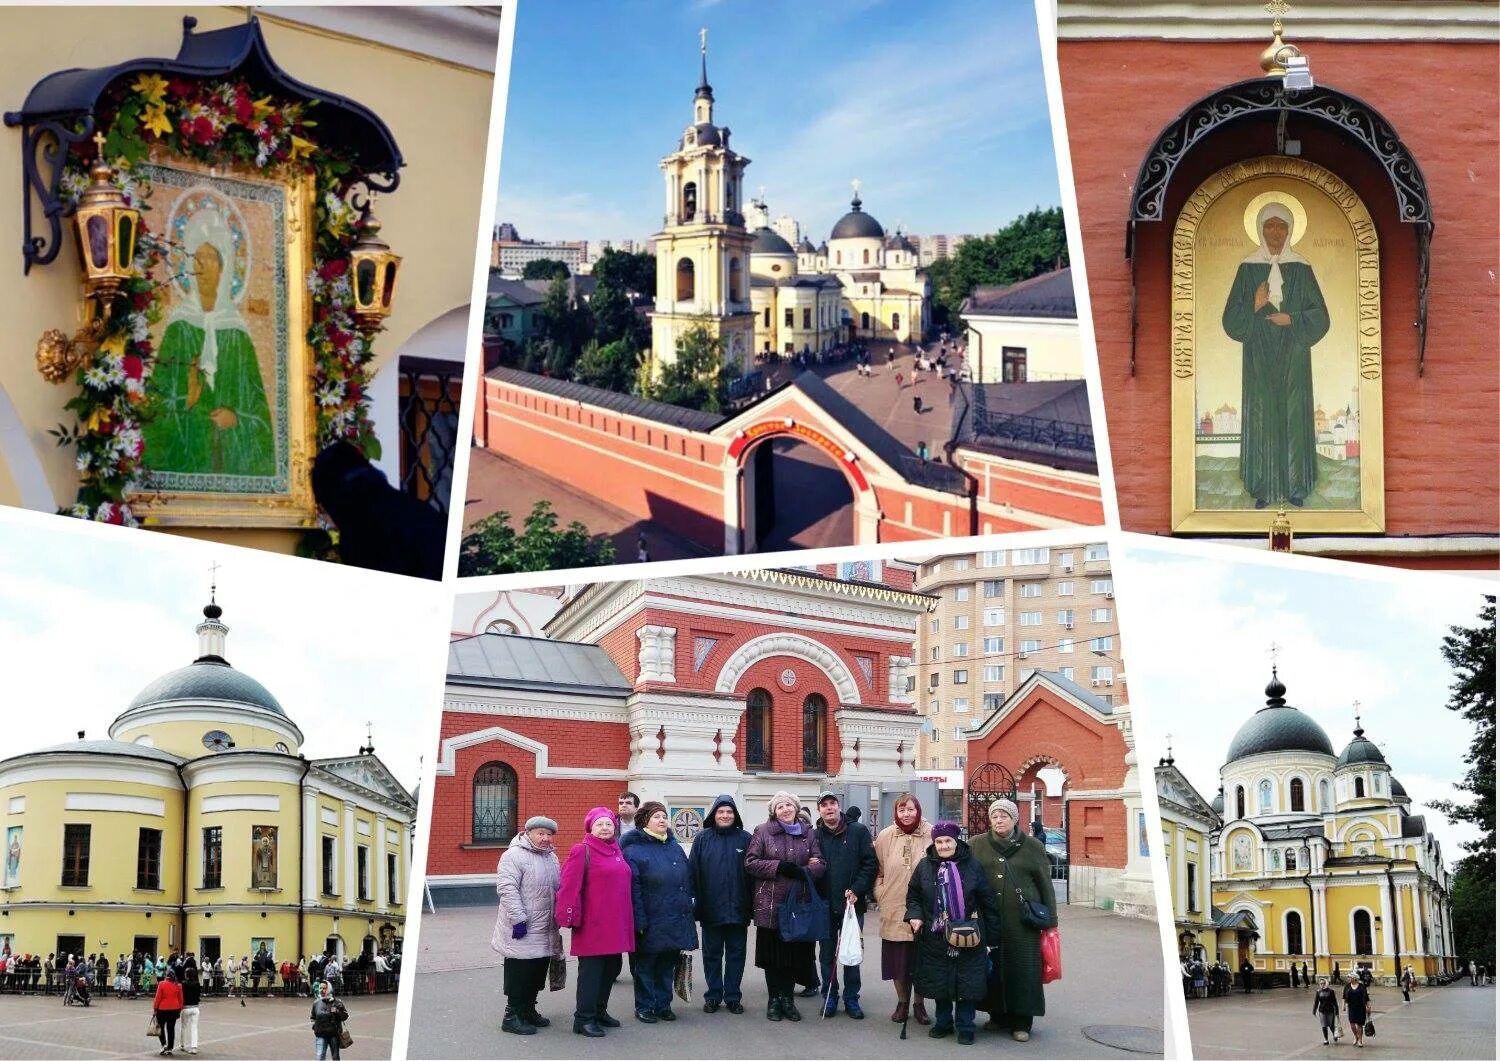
494, 803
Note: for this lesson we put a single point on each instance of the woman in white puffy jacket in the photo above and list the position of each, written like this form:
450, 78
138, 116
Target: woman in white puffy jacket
526, 932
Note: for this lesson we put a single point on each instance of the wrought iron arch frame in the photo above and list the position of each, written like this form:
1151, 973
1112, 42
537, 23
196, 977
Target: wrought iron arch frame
1267, 98
987, 783
62, 110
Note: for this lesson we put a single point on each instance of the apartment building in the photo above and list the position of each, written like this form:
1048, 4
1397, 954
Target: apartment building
1001, 615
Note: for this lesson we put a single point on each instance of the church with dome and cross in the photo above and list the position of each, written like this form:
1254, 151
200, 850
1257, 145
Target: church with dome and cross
197, 824
1314, 856
721, 266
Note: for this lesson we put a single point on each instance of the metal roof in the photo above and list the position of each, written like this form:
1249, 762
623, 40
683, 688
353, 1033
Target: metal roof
857, 224
1047, 421
510, 660
206, 680
629, 404
769, 241
1360, 750
1048, 295
518, 291
109, 747
1072, 688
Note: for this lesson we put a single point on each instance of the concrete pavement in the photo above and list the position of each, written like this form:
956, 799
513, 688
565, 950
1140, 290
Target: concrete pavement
1111, 975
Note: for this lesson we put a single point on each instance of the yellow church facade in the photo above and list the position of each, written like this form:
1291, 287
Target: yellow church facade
1316, 857
1187, 827
199, 826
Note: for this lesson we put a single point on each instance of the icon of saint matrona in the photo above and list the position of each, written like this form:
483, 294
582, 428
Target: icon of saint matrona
211, 414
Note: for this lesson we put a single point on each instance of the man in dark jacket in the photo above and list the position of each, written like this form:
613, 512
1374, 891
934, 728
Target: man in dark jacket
380, 527
723, 890
849, 853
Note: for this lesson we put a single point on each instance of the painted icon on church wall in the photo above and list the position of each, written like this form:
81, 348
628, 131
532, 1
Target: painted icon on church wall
229, 438
13, 857
263, 856
1276, 353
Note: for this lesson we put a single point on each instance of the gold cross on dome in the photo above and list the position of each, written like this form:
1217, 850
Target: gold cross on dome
856, 185
213, 579
1356, 714
1277, 8
99, 143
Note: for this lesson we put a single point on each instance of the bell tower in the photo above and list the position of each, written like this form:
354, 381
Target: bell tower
703, 249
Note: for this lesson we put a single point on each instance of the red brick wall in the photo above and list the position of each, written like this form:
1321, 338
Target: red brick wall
1029, 490
1441, 430
581, 744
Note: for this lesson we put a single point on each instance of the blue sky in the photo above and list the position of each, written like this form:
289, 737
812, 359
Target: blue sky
938, 108
1197, 633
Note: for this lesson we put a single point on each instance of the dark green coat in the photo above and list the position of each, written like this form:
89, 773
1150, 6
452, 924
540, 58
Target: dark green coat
1017, 862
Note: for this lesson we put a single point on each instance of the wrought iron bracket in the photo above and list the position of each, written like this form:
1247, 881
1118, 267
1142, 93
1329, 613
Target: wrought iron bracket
1267, 98
44, 155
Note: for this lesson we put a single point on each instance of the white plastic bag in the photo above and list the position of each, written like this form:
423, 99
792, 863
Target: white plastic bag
851, 940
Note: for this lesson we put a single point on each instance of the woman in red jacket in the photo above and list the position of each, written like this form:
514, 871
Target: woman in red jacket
167, 1008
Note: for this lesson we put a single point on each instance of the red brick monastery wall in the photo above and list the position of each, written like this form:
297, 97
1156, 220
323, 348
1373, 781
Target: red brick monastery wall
1442, 430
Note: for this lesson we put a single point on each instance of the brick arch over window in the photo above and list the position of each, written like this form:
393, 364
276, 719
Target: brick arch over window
785, 644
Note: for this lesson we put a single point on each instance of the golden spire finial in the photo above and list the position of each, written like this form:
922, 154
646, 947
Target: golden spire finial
1270, 60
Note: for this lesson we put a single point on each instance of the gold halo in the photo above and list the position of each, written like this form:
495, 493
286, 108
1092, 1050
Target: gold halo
1287, 199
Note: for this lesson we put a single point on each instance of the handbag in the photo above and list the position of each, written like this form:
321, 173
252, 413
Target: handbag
153, 1030
1051, 955
803, 918
964, 934
682, 976
557, 973
1033, 914
345, 1039
1370, 1028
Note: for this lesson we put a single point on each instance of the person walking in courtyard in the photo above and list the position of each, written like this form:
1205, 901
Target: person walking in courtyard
661, 887
594, 900
1294, 975
898, 849
1408, 981
1305, 981
167, 1007
1326, 1009
780, 851
526, 934
952, 912
849, 854
717, 862
328, 1017
1357, 1008
192, 998
1246, 971
1016, 867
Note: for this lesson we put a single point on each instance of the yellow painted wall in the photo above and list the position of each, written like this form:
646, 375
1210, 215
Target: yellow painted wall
237, 826
236, 928
113, 931
185, 738
438, 114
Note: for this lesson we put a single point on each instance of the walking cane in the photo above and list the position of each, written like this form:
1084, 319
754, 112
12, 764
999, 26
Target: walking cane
828, 987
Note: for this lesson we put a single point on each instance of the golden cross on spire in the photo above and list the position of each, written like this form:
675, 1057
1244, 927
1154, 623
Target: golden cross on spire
99, 143
1277, 8
213, 580
1356, 714
856, 185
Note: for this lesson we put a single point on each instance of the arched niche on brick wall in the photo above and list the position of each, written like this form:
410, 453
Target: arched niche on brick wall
797, 646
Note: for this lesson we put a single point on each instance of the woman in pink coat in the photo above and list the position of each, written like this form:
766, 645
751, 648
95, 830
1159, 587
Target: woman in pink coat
594, 901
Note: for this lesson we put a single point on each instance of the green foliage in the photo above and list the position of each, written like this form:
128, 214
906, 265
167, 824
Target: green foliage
1032, 244
1473, 910
699, 378
632, 273
615, 318
545, 269
612, 366
494, 547
565, 325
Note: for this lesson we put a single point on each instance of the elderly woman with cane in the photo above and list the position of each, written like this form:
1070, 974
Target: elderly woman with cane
526, 933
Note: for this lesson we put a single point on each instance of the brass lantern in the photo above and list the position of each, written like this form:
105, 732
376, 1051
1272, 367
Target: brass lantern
373, 267
107, 228
1280, 536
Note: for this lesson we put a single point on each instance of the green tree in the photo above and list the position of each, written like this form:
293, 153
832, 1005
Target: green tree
494, 547
1470, 651
612, 366
632, 273
1032, 244
565, 325
615, 318
699, 378
545, 269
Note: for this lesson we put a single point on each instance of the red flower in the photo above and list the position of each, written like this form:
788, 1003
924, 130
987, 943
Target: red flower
133, 366
274, 120
334, 268
178, 87
203, 130
140, 301
145, 347
243, 109
355, 392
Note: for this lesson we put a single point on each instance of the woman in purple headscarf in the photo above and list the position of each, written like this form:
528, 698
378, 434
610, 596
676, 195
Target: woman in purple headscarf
953, 913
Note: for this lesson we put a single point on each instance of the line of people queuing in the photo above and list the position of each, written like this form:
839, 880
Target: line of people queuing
960, 921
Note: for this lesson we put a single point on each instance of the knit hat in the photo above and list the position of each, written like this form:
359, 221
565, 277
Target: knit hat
949, 829
594, 815
540, 821
778, 797
643, 816
1009, 807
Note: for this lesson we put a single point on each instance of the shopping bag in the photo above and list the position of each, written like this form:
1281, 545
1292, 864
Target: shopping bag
557, 973
803, 918
851, 941
153, 1030
682, 978
1370, 1028
345, 1039
1051, 955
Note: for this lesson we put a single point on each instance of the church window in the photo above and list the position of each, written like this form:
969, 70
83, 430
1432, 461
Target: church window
787, 317
1265, 796
758, 730
363, 853
330, 865
1192, 887
392, 885
807, 318
867, 256
864, 322
75, 870
1296, 794
814, 733
1239, 801
1291, 858
689, 200
686, 289
768, 320
1013, 364
736, 280
895, 322
213, 857
838, 257
1324, 804
494, 803
1293, 932
1364, 941
1359, 788
148, 860
1377, 783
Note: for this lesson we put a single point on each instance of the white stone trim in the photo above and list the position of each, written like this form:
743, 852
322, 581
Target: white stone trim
328, 816
115, 801
16, 805
477, 700
658, 653
1433, 20
246, 801
448, 755
69, 766
209, 712
788, 644
266, 768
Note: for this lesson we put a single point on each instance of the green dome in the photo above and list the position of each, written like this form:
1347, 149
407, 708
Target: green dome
1360, 750
1278, 727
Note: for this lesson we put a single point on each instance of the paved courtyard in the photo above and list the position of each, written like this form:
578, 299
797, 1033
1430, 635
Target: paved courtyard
1457, 1021
263, 1028
1111, 976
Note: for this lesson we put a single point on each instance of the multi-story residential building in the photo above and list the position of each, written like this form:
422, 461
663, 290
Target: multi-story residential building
1002, 615
511, 256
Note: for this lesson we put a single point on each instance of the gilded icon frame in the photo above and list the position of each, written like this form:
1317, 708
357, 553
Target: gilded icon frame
1361, 356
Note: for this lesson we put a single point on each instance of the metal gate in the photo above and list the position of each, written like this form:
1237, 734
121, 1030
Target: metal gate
989, 782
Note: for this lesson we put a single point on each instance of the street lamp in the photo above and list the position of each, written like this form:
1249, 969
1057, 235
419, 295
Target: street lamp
374, 266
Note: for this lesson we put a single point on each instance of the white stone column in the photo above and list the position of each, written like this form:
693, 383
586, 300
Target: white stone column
312, 830
350, 881
658, 653
732, 516
1320, 915
403, 866
879, 736
377, 852
1179, 886
1387, 943
670, 182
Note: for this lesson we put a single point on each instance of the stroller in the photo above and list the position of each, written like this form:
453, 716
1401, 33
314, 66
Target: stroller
78, 991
